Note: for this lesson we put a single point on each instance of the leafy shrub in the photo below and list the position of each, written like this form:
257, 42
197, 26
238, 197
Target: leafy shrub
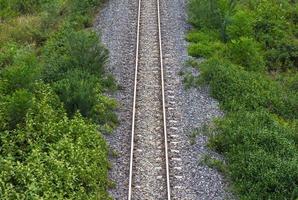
13, 54
261, 153
283, 55
13, 8
203, 36
258, 136
75, 63
211, 14
204, 43
103, 113
70, 49
51, 156
20, 76
83, 7
15, 108
81, 12
238, 89
23, 29
78, 91
44, 153
7, 54
275, 33
241, 25
52, 16
293, 83
205, 50
247, 53
81, 91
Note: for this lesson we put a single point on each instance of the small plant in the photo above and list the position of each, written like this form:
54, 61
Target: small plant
114, 153
205, 129
20, 76
242, 25
214, 163
214, 14
69, 50
16, 108
205, 50
112, 184
192, 137
247, 53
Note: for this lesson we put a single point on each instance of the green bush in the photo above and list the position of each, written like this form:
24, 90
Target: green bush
214, 14
275, 33
258, 136
261, 153
289, 80
204, 43
15, 54
81, 91
45, 154
247, 53
70, 49
237, 89
78, 91
19, 77
17, 7
7, 54
15, 108
81, 12
51, 156
203, 36
205, 50
52, 16
84, 7
75, 62
241, 25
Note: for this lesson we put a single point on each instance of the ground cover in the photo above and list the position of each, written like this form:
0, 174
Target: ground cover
250, 54
53, 107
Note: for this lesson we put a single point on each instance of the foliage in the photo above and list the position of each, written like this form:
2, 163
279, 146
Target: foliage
275, 32
82, 91
270, 24
262, 155
74, 64
204, 43
211, 14
204, 50
50, 156
15, 108
203, 36
69, 49
241, 25
52, 103
238, 89
83, 7
22, 72
14, 7
252, 71
246, 52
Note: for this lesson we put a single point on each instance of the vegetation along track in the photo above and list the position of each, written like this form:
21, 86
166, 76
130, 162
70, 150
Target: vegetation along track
149, 175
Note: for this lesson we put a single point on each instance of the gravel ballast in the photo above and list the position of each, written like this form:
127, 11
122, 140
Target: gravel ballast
117, 25
192, 109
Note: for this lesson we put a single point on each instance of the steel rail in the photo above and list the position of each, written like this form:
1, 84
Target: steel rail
163, 103
134, 104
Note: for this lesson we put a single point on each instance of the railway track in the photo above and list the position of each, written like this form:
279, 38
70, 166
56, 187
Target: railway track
149, 172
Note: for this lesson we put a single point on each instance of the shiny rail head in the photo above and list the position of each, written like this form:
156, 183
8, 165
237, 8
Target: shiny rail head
163, 103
